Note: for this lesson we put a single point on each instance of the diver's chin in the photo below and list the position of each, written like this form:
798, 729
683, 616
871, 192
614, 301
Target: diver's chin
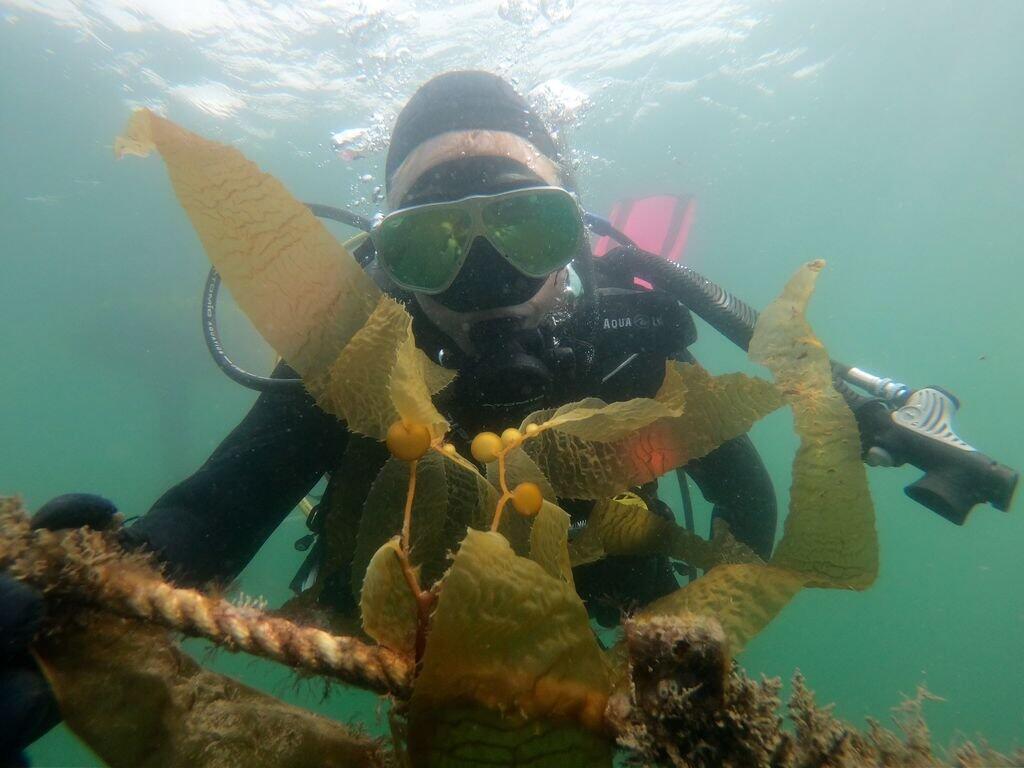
459, 326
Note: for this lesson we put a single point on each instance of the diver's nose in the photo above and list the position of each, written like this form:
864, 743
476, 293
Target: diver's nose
487, 281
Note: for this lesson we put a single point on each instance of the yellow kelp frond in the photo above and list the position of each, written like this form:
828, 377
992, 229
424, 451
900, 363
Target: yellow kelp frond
727, 549
829, 538
480, 738
387, 605
672, 392
742, 597
383, 515
719, 408
591, 470
648, 443
549, 542
302, 290
625, 526
509, 637
594, 419
380, 377
128, 692
830, 530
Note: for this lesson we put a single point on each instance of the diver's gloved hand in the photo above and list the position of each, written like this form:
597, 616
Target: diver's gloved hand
27, 706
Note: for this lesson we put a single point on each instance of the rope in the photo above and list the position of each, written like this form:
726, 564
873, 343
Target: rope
89, 566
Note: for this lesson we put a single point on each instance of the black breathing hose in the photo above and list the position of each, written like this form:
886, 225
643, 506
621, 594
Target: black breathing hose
340, 215
220, 356
728, 315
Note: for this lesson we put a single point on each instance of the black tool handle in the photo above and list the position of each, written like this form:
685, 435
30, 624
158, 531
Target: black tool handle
955, 479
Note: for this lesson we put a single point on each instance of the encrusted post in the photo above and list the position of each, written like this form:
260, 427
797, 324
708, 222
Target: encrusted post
681, 706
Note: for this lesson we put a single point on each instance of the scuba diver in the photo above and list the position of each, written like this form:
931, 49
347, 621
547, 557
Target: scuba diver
486, 246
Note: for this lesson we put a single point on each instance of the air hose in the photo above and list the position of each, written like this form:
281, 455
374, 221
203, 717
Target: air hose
728, 315
213, 343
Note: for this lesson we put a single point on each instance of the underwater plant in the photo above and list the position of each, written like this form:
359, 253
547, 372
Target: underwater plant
462, 568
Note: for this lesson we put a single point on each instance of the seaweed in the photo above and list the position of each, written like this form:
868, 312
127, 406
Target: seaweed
304, 293
830, 529
829, 538
511, 677
464, 577
387, 607
181, 715
302, 290
507, 637
382, 518
593, 450
624, 525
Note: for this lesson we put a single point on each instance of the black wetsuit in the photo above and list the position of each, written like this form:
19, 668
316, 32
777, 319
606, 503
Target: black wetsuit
211, 525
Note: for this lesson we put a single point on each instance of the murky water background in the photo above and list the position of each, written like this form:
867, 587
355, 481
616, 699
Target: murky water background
884, 137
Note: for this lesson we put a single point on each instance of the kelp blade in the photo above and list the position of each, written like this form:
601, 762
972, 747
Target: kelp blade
693, 414
594, 419
383, 512
830, 533
303, 291
744, 598
138, 702
505, 637
382, 376
549, 536
386, 603
625, 526
521, 468
471, 501
829, 538
481, 738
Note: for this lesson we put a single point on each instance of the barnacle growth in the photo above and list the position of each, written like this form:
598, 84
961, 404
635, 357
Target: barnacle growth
478, 633
687, 706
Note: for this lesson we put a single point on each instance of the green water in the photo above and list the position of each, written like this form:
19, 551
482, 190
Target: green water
884, 137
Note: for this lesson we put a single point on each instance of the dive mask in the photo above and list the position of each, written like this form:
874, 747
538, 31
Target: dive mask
538, 230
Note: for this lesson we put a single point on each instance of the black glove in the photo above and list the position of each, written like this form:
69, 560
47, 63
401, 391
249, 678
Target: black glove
27, 706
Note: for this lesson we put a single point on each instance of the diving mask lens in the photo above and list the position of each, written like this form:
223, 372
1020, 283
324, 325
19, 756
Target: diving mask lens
423, 249
538, 230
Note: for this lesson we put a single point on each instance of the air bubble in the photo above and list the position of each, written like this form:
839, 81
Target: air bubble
557, 11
